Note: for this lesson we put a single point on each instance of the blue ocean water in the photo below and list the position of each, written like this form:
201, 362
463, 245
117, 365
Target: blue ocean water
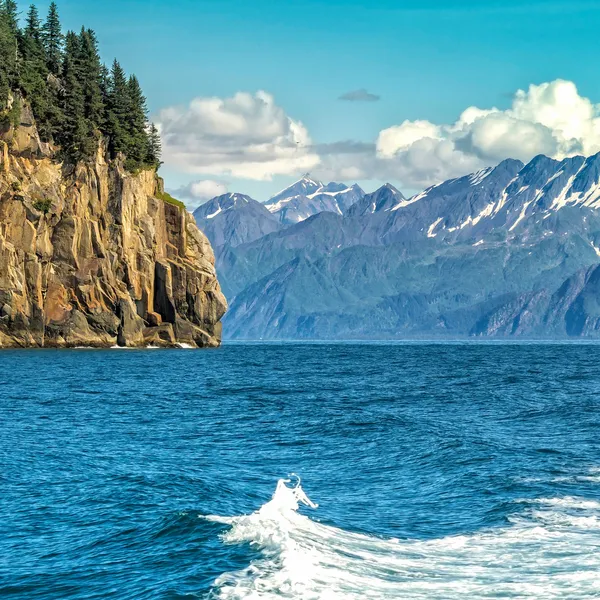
439, 470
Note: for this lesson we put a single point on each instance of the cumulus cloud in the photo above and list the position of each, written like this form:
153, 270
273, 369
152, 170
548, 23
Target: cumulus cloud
550, 118
250, 136
198, 192
246, 136
360, 95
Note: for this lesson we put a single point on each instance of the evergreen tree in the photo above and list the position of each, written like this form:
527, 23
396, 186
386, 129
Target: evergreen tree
105, 91
8, 56
76, 134
33, 26
91, 78
53, 40
118, 110
11, 12
75, 99
154, 147
33, 72
137, 150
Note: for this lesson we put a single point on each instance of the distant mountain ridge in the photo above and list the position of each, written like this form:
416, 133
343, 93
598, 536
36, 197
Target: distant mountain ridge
385, 198
507, 251
308, 197
234, 219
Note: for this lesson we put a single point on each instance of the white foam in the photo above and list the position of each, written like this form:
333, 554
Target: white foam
550, 550
117, 347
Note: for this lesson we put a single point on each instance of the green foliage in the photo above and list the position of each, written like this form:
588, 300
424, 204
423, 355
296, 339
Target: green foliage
76, 101
91, 70
166, 197
117, 109
11, 13
14, 114
43, 205
154, 147
10, 117
75, 136
137, 136
53, 40
34, 73
33, 26
8, 54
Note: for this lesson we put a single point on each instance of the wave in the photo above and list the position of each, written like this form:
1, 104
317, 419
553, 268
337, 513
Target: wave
551, 549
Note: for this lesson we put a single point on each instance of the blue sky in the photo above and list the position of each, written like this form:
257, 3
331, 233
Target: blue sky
427, 60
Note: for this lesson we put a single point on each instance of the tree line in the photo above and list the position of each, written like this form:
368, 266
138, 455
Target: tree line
76, 100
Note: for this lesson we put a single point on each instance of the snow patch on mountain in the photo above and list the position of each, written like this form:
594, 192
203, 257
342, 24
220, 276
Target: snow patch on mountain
308, 197
432, 227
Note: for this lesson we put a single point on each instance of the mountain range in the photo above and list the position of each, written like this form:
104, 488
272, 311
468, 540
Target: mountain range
308, 197
511, 250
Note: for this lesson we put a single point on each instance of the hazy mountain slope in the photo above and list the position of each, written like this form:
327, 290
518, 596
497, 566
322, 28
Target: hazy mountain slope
572, 310
234, 219
415, 289
485, 254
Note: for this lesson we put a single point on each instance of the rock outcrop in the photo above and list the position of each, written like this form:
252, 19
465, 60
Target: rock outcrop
92, 255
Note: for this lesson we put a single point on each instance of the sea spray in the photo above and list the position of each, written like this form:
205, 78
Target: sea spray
551, 549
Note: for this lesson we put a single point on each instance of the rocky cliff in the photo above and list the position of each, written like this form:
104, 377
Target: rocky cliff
91, 255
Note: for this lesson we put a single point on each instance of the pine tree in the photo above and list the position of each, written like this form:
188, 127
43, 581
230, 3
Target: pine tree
53, 40
137, 150
11, 12
76, 135
8, 56
154, 147
91, 78
105, 91
33, 72
75, 99
33, 26
118, 110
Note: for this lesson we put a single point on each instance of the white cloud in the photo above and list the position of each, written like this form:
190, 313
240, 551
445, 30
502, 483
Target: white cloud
198, 192
250, 136
559, 107
246, 136
550, 118
402, 137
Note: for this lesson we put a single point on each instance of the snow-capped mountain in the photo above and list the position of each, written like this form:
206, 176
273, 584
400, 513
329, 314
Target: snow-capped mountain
512, 198
308, 197
386, 198
220, 204
511, 250
302, 187
234, 219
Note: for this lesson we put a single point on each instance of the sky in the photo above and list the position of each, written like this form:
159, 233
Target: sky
251, 95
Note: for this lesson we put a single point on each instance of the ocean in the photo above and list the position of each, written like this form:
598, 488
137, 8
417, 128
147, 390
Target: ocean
301, 471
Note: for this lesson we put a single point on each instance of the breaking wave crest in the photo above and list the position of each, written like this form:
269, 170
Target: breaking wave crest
551, 549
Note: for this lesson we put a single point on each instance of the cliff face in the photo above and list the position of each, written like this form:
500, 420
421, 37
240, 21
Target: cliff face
90, 255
